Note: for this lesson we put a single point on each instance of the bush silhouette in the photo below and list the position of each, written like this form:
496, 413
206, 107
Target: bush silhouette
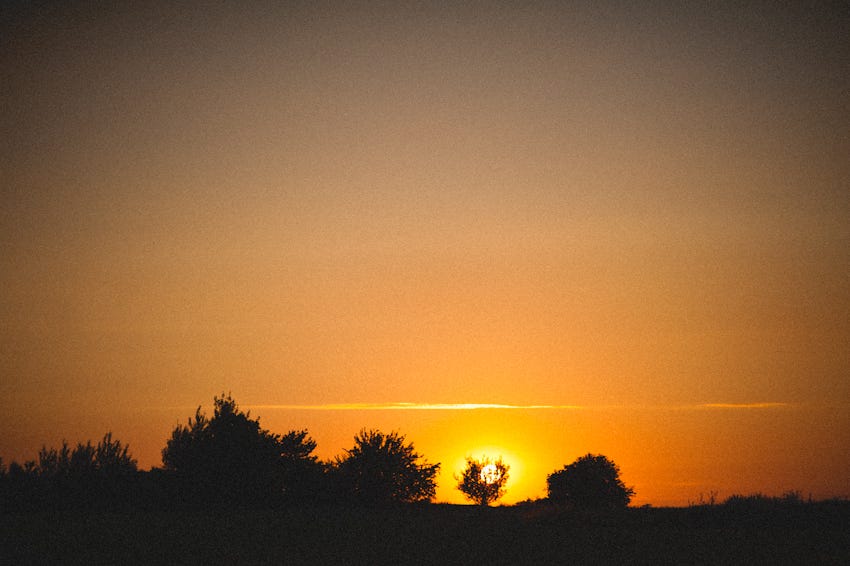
381, 469
229, 459
591, 482
483, 482
81, 477
107, 458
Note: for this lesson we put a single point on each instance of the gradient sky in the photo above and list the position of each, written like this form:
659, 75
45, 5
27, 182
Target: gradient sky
629, 223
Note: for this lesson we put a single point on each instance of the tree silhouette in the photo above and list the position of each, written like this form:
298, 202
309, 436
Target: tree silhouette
229, 459
302, 474
382, 469
591, 482
483, 482
108, 458
84, 476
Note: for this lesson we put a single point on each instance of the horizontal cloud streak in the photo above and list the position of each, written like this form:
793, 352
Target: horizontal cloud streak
412, 407
744, 405
403, 406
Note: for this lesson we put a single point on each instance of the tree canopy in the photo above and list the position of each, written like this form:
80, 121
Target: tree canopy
302, 475
591, 482
230, 459
87, 475
383, 468
107, 458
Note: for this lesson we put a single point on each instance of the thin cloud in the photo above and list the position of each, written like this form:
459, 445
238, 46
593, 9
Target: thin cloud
403, 406
412, 407
744, 405
406, 406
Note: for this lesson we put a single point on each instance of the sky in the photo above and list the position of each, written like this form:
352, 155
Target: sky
613, 228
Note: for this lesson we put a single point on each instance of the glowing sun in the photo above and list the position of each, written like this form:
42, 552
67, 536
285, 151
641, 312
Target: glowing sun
490, 474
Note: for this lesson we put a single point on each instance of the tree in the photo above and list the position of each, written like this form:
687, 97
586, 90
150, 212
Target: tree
112, 459
483, 482
382, 469
84, 476
301, 472
109, 458
591, 482
230, 459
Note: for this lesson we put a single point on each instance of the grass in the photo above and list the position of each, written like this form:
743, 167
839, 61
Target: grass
810, 533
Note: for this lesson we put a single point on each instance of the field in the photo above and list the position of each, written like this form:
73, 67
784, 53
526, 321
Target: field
806, 533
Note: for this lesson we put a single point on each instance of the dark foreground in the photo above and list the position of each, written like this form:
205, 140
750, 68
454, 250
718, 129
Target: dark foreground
815, 533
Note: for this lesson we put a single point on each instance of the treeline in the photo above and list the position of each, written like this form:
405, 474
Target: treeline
229, 460
101, 475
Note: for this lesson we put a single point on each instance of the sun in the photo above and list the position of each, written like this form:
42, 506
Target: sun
490, 474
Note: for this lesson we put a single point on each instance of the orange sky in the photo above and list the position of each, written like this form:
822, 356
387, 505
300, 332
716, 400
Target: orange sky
639, 214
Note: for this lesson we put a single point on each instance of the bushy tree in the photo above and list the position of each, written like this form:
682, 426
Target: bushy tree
382, 469
84, 476
107, 458
591, 482
229, 459
302, 474
483, 482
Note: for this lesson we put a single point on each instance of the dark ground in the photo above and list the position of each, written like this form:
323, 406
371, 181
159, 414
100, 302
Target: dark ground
810, 533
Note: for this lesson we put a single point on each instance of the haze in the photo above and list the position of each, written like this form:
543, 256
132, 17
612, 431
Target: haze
629, 224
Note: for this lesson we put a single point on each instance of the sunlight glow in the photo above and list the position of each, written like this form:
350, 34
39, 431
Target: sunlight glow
490, 474
511, 457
